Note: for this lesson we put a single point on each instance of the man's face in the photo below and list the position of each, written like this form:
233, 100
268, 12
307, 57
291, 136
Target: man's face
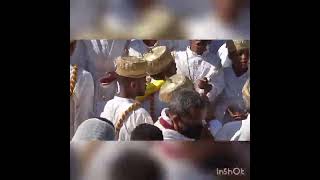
140, 86
191, 126
172, 69
240, 58
199, 46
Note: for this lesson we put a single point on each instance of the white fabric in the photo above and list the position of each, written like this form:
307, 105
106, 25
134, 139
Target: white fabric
81, 102
231, 95
138, 47
235, 131
116, 107
208, 26
98, 57
169, 134
206, 65
223, 54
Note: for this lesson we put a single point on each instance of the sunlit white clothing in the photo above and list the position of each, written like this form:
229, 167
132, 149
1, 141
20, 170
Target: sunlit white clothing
235, 131
98, 57
196, 67
116, 107
231, 96
81, 102
223, 54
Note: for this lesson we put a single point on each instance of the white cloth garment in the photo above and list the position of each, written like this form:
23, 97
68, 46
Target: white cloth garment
81, 102
116, 107
138, 47
199, 66
235, 131
169, 134
223, 54
231, 95
98, 57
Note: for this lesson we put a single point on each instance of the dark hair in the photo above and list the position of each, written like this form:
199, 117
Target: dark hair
133, 164
146, 132
184, 100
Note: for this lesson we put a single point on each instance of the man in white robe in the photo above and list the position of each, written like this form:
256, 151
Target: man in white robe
230, 105
98, 57
197, 63
82, 94
123, 111
237, 130
183, 119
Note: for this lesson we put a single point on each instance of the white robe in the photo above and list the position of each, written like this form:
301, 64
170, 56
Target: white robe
231, 95
223, 54
169, 134
199, 66
114, 109
81, 102
98, 57
235, 131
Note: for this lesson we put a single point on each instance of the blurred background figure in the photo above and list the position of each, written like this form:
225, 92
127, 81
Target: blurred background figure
163, 19
146, 132
81, 94
74, 165
92, 129
162, 160
225, 20
137, 165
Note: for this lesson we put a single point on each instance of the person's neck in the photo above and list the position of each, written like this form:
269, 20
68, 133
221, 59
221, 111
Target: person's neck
239, 71
126, 95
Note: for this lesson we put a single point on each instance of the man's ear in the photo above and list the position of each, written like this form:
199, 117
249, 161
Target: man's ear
175, 120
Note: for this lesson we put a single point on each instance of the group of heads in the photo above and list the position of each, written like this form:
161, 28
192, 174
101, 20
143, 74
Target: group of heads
131, 71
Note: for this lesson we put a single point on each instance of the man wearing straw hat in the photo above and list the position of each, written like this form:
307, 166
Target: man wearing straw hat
230, 104
123, 111
160, 66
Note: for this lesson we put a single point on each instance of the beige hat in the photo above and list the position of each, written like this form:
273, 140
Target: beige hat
236, 45
173, 84
130, 66
158, 59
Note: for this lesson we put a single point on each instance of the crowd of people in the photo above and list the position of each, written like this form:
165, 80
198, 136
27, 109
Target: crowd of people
130, 90
97, 160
